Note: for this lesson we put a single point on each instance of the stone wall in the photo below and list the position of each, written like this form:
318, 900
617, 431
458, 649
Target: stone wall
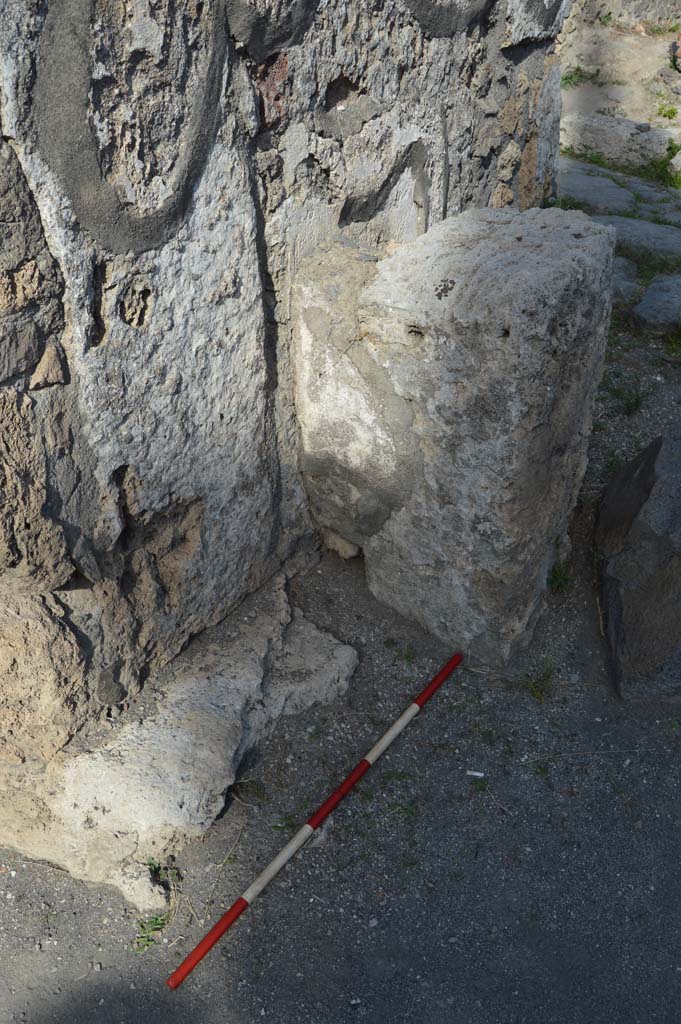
163, 170
626, 12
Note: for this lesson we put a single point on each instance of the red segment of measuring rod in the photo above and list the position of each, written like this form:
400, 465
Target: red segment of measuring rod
225, 922
330, 805
435, 683
207, 943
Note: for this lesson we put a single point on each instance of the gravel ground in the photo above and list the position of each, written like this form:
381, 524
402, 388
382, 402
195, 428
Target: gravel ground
545, 892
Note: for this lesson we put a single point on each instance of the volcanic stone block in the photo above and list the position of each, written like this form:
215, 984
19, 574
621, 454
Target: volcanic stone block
444, 391
639, 533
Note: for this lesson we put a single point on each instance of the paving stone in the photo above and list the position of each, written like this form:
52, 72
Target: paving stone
597, 191
661, 304
657, 239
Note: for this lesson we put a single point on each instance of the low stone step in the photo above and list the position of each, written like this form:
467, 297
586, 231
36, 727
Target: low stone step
618, 140
634, 234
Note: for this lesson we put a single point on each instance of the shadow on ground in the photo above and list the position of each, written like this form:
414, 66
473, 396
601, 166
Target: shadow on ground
115, 1002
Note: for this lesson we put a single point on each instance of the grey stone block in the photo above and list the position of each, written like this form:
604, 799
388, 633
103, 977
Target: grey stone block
444, 394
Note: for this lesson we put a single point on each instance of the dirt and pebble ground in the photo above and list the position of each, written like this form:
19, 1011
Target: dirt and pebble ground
545, 892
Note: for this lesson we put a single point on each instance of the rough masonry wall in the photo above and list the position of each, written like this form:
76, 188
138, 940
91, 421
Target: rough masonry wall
164, 169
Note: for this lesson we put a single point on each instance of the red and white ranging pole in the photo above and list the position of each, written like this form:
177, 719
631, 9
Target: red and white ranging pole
301, 837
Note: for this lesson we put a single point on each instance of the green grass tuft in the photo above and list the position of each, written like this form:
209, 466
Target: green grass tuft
407, 655
630, 397
577, 76
149, 928
540, 687
613, 464
648, 266
559, 578
565, 203
658, 171
672, 343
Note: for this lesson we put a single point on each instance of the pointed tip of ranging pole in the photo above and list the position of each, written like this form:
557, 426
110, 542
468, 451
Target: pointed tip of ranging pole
437, 681
235, 911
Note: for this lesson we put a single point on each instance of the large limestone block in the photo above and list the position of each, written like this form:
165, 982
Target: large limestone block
639, 535
143, 785
444, 391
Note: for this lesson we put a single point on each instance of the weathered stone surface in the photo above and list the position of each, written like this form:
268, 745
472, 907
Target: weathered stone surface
152, 506
159, 187
50, 370
619, 141
639, 532
536, 19
164, 169
661, 304
111, 802
577, 181
31, 285
426, 436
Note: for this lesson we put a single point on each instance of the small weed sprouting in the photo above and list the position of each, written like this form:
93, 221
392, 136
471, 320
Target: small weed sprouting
169, 878
659, 170
407, 655
565, 203
667, 111
541, 769
648, 267
148, 930
598, 426
409, 810
598, 557
605, 20
630, 397
613, 464
656, 28
559, 577
578, 76
479, 785
288, 823
165, 875
672, 343
632, 401
589, 157
540, 686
